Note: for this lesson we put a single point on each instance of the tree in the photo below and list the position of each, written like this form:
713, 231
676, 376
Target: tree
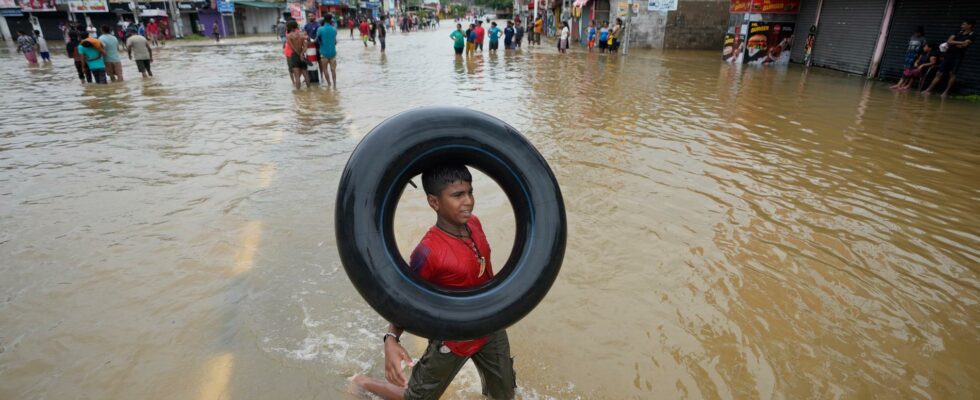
458, 10
495, 4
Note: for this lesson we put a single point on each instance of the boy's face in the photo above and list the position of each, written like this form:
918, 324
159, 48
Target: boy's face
455, 203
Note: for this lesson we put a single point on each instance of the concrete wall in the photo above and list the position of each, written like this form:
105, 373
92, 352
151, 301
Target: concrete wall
697, 25
648, 29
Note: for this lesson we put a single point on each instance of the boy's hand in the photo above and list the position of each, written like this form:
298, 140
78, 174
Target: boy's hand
394, 355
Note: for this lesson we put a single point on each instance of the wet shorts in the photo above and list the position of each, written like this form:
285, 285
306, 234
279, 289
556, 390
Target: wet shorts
950, 63
295, 61
459, 50
438, 366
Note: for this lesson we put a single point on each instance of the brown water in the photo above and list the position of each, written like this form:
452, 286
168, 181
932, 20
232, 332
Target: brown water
754, 233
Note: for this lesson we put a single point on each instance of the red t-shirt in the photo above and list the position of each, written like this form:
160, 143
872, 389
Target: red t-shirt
364, 28
479, 34
451, 262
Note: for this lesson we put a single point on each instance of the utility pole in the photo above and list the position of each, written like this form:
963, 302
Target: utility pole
629, 26
535, 19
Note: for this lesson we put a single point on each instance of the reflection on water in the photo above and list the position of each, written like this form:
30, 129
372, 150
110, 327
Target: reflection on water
734, 233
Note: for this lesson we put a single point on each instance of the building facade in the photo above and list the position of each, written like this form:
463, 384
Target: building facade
870, 37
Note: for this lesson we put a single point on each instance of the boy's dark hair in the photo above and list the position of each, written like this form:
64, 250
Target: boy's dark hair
87, 44
437, 178
328, 19
920, 30
37, 32
971, 21
291, 25
105, 29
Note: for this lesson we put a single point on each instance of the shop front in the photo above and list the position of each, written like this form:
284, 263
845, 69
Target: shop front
260, 17
333, 7
939, 19
41, 15
761, 32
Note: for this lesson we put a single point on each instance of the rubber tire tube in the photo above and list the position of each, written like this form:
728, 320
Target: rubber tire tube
372, 183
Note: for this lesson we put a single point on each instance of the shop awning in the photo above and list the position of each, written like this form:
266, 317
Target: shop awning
260, 4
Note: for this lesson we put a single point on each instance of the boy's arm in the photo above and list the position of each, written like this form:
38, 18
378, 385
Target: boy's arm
395, 354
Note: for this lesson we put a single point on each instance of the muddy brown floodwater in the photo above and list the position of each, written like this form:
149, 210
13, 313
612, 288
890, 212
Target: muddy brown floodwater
733, 233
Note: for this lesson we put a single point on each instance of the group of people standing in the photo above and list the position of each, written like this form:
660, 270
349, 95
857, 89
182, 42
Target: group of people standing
324, 36
607, 38
96, 58
473, 38
924, 57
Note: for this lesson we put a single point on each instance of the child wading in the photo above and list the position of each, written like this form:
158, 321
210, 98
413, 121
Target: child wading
453, 254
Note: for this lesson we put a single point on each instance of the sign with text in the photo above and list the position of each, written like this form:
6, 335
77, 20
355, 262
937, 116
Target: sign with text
37, 5
776, 6
740, 6
88, 6
9, 4
226, 6
769, 43
661, 5
765, 6
296, 11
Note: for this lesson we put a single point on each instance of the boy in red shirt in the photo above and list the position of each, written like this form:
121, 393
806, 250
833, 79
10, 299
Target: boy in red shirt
480, 33
365, 29
453, 254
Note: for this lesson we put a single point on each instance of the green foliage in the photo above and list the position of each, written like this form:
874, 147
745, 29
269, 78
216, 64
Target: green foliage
974, 98
495, 4
457, 10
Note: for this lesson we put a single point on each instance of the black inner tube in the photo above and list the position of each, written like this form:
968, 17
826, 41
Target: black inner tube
374, 180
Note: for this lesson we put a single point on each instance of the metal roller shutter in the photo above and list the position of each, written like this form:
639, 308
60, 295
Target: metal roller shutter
848, 33
808, 14
940, 18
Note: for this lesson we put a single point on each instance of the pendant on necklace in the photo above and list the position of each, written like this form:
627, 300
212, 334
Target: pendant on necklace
483, 267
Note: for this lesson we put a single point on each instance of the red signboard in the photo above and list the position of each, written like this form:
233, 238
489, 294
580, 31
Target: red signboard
776, 6
766, 6
741, 6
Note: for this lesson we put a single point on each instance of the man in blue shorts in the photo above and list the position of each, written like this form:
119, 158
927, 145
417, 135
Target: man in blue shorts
326, 39
453, 254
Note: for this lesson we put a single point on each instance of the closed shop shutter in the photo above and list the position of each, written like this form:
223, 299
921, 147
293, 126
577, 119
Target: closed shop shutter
808, 14
940, 18
847, 34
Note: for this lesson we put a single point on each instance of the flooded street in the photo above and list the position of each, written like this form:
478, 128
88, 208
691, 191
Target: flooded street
733, 233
